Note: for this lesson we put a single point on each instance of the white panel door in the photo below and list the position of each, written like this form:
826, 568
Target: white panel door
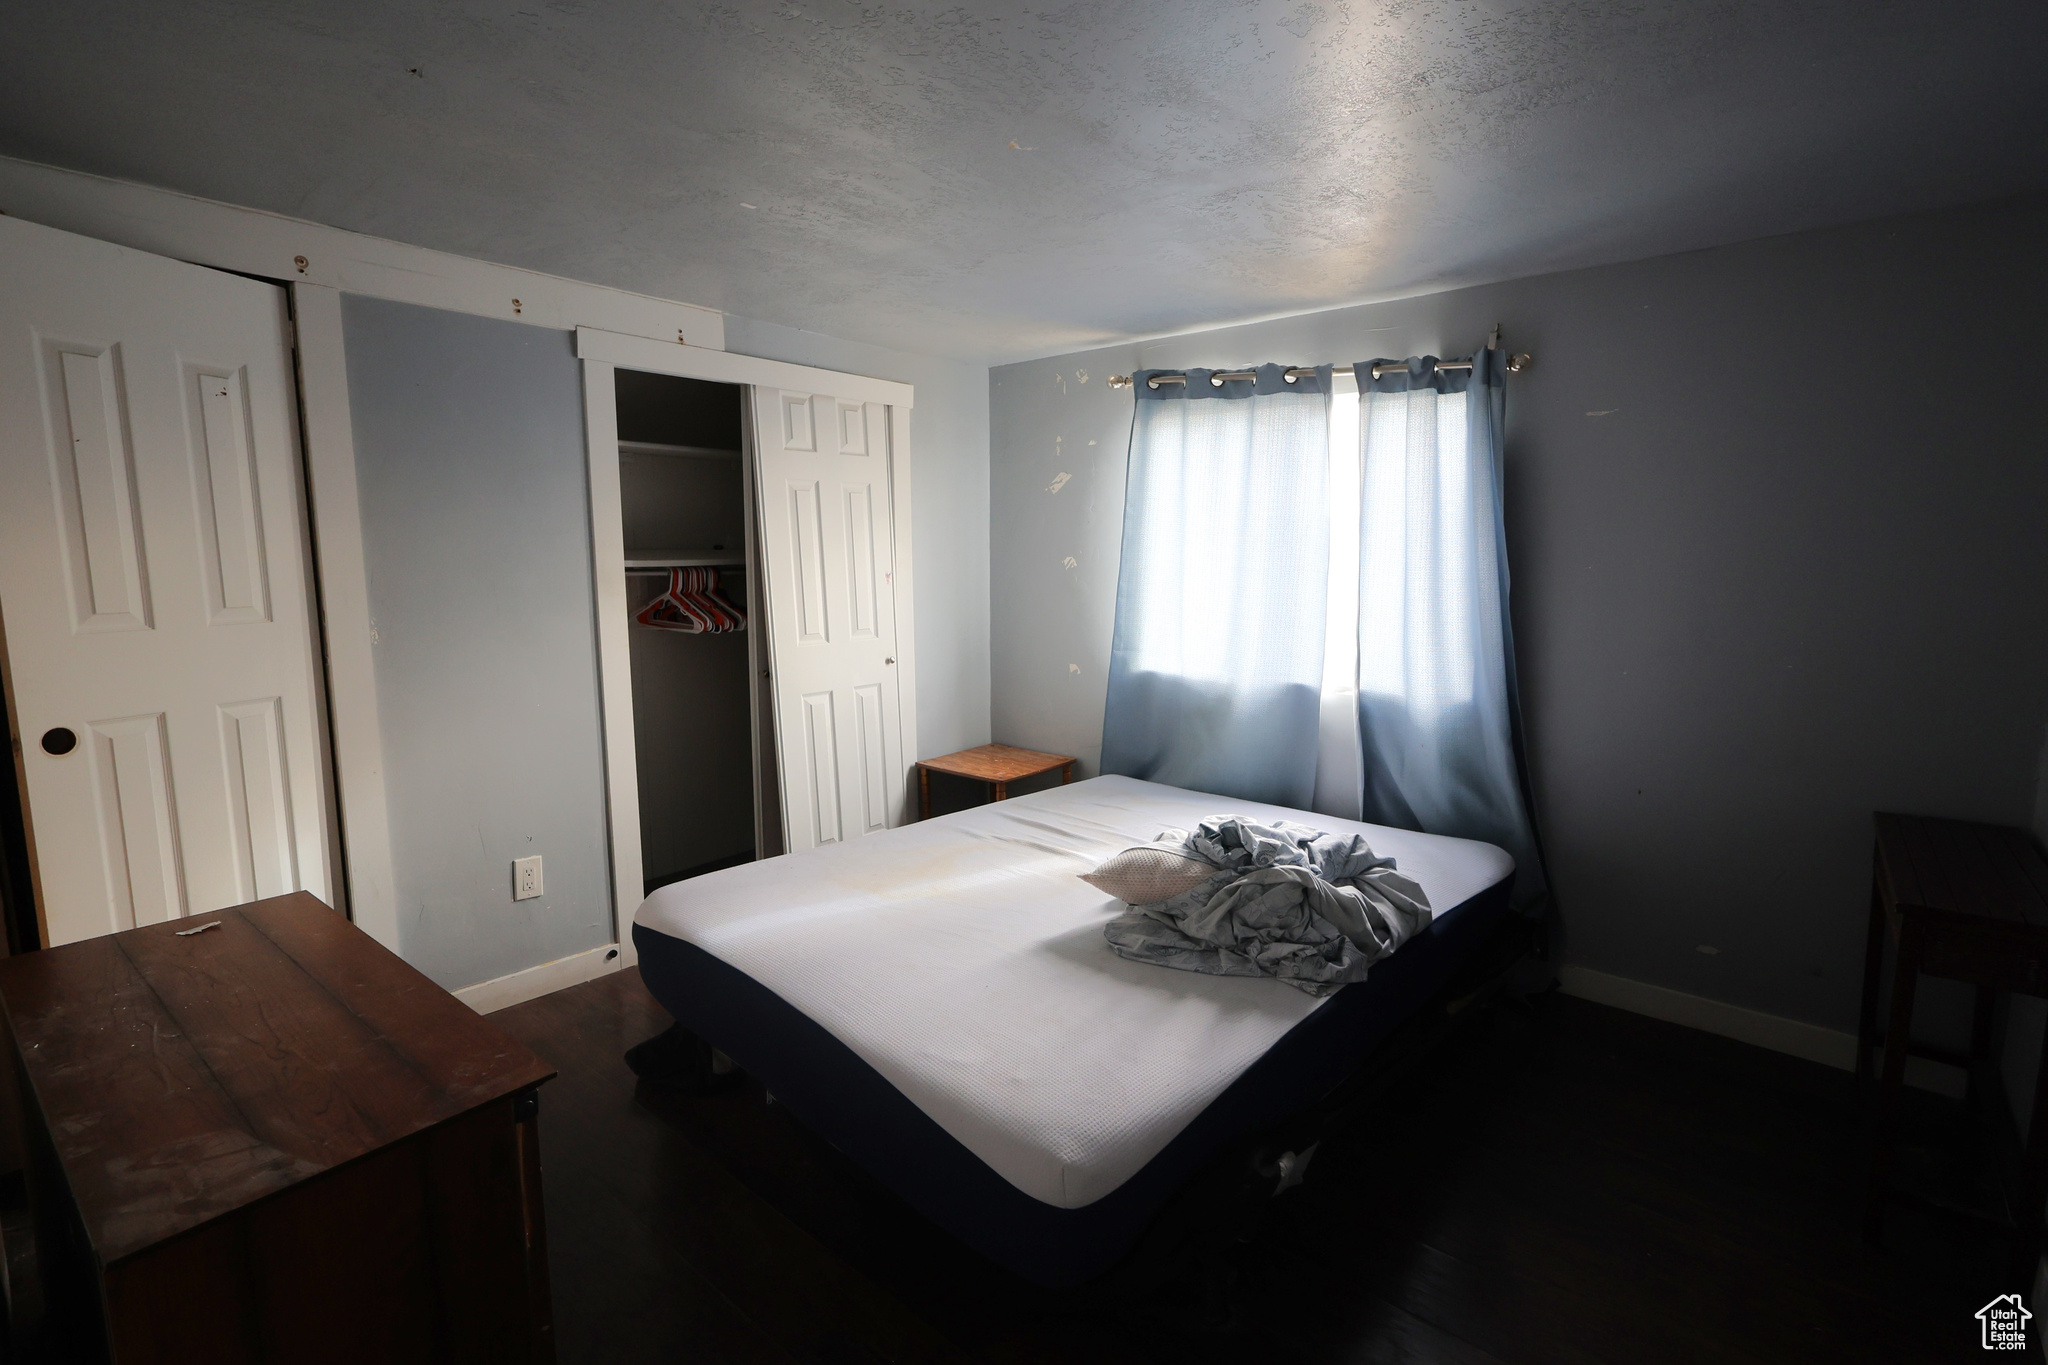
153, 585
822, 475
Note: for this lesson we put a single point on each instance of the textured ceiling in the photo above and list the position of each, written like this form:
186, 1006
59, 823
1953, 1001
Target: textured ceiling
996, 181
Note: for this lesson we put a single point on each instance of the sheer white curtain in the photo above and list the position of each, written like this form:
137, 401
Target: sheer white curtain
1418, 718
1337, 765
1216, 662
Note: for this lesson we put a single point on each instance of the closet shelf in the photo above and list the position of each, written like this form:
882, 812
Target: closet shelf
662, 448
681, 559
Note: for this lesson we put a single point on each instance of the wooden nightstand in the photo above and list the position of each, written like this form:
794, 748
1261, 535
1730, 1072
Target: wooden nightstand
257, 1135
996, 764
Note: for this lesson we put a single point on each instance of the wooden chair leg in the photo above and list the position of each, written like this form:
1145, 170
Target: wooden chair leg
1001, 790
1982, 1026
2033, 1182
924, 793
1898, 1034
1873, 980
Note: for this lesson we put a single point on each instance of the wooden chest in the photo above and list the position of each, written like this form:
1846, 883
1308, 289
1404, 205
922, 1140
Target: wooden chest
257, 1135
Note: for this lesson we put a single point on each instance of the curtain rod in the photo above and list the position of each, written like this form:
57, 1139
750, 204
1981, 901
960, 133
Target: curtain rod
1515, 365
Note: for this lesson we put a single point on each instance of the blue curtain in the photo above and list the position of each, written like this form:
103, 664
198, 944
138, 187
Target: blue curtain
1438, 713
1215, 670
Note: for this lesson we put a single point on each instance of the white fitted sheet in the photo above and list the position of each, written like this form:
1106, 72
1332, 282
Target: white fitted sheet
963, 959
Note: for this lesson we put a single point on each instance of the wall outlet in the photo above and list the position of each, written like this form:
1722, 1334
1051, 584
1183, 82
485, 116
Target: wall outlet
526, 882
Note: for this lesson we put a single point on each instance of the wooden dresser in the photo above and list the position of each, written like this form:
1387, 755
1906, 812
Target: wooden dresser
272, 1140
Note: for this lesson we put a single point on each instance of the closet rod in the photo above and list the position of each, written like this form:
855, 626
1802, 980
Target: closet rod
664, 448
1516, 364
663, 563
647, 573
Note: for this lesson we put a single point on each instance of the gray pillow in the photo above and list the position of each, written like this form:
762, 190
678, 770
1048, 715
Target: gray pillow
1149, 874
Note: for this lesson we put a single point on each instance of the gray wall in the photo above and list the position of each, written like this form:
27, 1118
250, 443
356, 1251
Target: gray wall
476, 527
469, 451
949, 432
1774, 519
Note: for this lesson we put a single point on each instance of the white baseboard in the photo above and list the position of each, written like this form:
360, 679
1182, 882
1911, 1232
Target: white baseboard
520, 987
1830, 1047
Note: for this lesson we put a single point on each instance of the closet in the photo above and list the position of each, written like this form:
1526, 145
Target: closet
692, 599
771, 707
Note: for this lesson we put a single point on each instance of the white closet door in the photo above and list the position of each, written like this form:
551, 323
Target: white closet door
822, 464
153, 585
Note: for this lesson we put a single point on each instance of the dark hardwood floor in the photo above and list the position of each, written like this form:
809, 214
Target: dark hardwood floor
1566, 1183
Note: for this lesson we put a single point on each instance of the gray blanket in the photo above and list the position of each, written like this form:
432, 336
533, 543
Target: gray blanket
1312, 908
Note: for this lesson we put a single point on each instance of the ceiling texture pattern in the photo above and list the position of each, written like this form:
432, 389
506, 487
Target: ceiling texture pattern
997, 181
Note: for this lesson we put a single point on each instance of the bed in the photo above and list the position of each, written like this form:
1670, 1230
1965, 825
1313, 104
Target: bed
938, 1002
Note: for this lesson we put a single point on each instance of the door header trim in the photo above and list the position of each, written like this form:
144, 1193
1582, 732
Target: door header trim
726, 367
250, 241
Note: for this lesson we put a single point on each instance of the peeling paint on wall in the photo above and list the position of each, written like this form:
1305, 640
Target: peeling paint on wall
1059, 482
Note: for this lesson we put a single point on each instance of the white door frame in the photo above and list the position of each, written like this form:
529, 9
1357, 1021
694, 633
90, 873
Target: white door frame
363, 882
614, 327
603, 353
320, 263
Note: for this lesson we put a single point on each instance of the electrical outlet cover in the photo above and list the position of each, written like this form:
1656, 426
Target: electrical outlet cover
526, 883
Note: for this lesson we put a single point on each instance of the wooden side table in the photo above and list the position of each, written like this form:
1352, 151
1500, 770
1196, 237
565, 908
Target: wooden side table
996, 764
257, 1135
1968, 902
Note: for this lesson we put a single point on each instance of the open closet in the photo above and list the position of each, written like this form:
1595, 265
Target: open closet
751, 558
693, 624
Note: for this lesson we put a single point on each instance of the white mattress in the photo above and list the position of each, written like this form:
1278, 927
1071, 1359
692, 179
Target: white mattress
963, 959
